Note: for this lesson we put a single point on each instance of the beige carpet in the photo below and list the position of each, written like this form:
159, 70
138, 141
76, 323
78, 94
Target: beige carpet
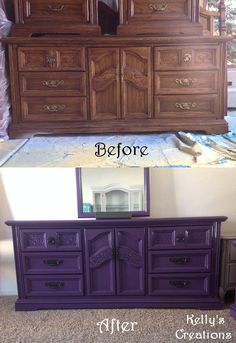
80, 326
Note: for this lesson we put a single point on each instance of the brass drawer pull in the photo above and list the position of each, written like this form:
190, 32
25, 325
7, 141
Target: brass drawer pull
187, 58
185, 105
59, 8
54, 108
184, 82
158, 7
53, 83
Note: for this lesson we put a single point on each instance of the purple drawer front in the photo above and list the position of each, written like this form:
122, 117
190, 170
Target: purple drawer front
179, 284
52, 263
45, 285
51, 239
187, 237
179, 261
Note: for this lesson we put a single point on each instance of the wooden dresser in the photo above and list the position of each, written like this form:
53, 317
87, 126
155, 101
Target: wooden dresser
154, 263
158, 73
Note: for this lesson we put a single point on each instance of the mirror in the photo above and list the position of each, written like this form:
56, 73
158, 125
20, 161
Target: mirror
112, 190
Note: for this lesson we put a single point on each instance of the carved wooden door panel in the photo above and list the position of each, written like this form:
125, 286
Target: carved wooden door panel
100, 264
136, 83
130, 265
104, 83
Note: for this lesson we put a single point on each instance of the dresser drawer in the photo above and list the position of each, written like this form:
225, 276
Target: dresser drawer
52, 263
46, 59
187, 237
175, 284
54, 10
189, 82
53, 109
39, 239
45, 285
187, 106
179, 261
195, 57
165, 10
53, 84
232, 253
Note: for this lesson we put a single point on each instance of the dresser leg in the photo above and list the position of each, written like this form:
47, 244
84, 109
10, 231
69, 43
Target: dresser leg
222, 294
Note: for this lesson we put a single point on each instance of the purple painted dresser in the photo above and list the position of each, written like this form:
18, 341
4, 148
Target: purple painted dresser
133, 263
233, 307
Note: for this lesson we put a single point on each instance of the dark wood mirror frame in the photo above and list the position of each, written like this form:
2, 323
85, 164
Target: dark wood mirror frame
144, 213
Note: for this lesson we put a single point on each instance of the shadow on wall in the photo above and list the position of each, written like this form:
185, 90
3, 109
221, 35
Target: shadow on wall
7, 271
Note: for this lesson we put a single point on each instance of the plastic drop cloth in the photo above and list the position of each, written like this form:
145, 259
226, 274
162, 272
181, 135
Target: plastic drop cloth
5, 27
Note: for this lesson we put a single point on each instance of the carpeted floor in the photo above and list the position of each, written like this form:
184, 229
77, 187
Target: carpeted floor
80, 326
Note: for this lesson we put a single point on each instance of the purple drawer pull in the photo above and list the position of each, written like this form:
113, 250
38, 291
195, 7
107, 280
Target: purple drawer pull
180, 238
180, 260
53, 263
51, 241
180, 283
55, 285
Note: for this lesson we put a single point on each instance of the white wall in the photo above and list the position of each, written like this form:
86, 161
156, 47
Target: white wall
51, 194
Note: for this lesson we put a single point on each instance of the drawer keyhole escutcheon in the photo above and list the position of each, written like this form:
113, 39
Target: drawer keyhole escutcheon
50, 60
53, 263
54, 108
58, 8
185, 105
53, 83
180, 283
184, 82
51, 241
158, 7
187, 58
55, 285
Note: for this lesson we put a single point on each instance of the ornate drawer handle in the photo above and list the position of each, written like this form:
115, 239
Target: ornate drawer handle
184, 82
179, 260
59, 8
53, 83
180, 238
187, 58
51, 241
53, 263
55, 285
185, 105
180, 283
158, 7
54, 108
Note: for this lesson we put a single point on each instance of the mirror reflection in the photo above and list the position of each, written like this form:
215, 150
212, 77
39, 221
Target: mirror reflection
112, 190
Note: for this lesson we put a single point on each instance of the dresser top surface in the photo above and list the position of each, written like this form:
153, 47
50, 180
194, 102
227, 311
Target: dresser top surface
115, 39
118, 222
